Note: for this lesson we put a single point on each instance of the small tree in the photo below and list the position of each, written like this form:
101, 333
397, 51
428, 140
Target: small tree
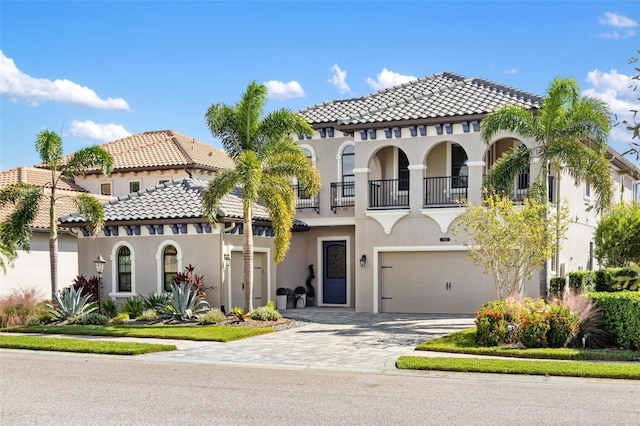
617, 236
511, 241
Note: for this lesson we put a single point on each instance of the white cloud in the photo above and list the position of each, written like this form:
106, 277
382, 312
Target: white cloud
102, 132
388, 78
616, 90
281, 90
625, 24
339, 79
510, 71
18, 85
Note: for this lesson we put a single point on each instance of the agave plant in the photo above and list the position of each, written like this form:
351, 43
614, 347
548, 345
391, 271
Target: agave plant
71, 302
184, 302
153, 300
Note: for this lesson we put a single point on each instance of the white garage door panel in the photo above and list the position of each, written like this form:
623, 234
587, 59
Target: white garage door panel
417, 282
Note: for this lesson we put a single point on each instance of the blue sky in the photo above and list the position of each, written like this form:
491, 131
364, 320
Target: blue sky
99, 71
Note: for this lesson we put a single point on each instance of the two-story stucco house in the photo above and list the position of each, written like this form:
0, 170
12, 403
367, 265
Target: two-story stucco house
395, 166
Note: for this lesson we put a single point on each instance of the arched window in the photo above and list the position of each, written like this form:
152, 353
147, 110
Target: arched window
169, 266
124, 269
459, 169
308, 154
403, 171
348, 163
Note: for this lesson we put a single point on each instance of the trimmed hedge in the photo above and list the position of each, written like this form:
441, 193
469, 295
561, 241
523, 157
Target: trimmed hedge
557, 285
581, 281
621, 312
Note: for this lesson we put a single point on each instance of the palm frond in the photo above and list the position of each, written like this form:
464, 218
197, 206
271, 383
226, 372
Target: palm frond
87, 158
91, 209
510, 118
16, 228
501, 177
49, 147
221, 122
280, 123
218, 187
277, 195
248, 112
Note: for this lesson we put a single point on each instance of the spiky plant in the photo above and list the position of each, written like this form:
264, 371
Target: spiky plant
184, 302
71, 303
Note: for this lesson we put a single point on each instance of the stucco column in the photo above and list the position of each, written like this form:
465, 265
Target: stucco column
416, 186
362, 191
476, 168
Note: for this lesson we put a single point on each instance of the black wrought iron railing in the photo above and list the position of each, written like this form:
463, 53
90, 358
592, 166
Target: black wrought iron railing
389, 193
445, 190
305, 201
342, 195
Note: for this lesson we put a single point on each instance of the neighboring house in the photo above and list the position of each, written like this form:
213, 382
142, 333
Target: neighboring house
147, 159
31, 269
395, 166
154, 233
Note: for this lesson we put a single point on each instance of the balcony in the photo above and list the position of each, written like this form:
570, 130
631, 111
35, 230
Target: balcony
445, 191
521, 188
389, 194
342, 195
304, 201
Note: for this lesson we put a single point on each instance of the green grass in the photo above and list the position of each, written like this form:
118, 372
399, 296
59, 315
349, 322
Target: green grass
39, 343
177, 332
511, 366
464, 342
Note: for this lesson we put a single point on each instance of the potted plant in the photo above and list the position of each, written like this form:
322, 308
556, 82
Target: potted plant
281, 298
301, 297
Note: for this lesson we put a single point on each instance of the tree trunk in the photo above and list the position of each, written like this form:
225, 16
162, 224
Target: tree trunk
53, 243
247, 257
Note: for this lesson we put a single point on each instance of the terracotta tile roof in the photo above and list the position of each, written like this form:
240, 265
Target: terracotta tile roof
179, 199
436, 96
38, 177
67, 189
164, 149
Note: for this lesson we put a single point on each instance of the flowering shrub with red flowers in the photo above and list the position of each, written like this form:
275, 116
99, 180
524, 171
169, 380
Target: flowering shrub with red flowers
563, 326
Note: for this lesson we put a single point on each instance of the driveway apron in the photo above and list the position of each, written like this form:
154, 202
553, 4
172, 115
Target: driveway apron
329, 338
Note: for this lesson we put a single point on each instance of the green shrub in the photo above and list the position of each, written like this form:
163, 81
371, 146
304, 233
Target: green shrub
602, 280
153, 300
621, 312
265, 313
581, 281
563, 326
533, 329
237, 312
133, 306
70, 303
271, 304
557, 285
110, 307
121, 317
491, 327
212, 316
147, 314
93, 318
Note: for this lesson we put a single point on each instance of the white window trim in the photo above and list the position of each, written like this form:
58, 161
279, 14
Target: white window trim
160, 263
586, 186
114, 271
339, 157
313, 152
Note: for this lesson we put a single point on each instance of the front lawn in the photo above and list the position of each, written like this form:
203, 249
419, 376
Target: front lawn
177, 332
464, 342
575, 362
39, 343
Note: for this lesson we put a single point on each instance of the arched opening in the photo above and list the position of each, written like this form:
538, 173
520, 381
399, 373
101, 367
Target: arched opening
446, 180
388, 179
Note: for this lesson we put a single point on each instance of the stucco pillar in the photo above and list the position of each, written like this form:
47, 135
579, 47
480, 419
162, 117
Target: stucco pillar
476, 169
362, 191
416, 186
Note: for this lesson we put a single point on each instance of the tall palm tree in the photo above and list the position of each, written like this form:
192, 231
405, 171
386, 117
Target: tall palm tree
266, 159
570, 134
15, 231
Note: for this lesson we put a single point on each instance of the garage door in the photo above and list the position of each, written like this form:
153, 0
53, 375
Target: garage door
432, 282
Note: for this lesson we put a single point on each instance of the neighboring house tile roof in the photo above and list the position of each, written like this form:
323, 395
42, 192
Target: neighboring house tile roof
66, 190
180, 199
442, 95
164, 149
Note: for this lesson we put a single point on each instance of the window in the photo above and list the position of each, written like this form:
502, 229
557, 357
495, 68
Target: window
459, 168
348, 178
124, 269
308, 154
403, 171
587, 191
169, 266
134, 186
163, 181
105, 188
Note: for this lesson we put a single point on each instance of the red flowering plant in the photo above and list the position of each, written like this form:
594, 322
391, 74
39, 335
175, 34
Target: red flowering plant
563, 325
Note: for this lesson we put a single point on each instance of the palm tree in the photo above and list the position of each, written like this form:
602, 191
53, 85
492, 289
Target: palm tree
570, 134
266, 159
15, 231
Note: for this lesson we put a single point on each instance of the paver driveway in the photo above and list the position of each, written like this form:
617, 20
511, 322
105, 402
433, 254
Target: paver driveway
333, 338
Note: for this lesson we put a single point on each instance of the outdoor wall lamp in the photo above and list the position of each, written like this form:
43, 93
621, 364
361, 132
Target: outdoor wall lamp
363, 260
99, 262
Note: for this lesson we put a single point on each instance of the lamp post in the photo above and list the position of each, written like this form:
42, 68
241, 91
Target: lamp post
99, 262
